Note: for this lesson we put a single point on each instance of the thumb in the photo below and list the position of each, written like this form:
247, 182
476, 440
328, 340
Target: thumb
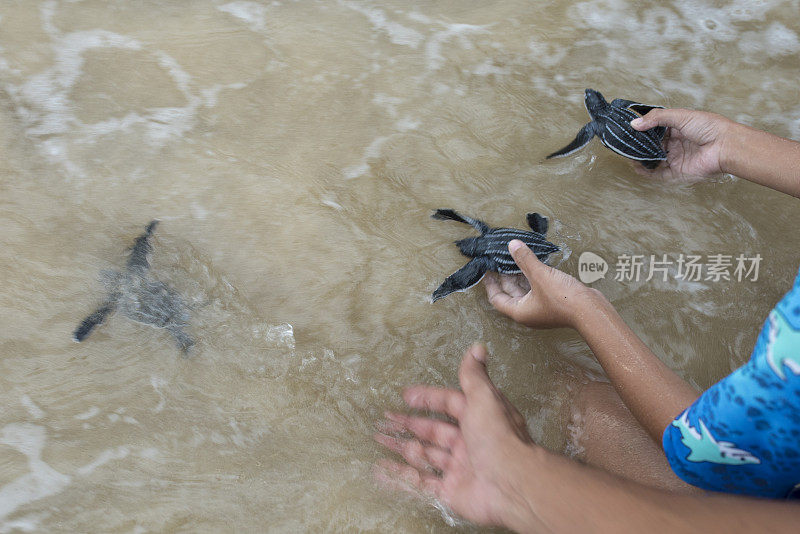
526, 260
673, 118
472, 374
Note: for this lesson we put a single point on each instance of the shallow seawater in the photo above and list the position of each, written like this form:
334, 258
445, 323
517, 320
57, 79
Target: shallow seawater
293, 151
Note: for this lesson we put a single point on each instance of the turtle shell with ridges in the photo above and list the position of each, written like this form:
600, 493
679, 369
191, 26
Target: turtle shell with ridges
612, 124
489, 250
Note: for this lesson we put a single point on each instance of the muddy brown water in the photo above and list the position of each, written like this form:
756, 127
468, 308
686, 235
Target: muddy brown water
293, 152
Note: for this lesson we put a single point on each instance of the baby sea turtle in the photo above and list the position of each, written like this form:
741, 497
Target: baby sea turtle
141, 297
611, 123
489, 251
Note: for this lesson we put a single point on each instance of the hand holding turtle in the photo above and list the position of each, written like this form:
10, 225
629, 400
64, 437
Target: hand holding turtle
694, 142
553, 300
701, 144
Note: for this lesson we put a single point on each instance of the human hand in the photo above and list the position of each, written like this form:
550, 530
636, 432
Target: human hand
553, 299
471, 466
694, 142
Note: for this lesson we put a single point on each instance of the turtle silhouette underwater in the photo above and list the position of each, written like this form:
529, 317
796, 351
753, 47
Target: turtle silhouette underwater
489, 250
141, 297
611, 123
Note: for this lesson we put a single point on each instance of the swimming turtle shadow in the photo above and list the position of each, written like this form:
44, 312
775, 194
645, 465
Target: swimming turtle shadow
141, 297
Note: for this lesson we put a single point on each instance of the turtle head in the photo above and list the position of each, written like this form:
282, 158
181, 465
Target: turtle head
594, 100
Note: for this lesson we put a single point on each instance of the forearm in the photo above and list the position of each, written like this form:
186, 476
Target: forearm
762, 158
556, 494
652, 391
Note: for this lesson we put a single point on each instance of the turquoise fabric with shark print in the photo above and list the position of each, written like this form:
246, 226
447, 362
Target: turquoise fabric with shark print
743, 434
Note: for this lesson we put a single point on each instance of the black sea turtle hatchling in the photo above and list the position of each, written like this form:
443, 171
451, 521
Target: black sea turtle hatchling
139, 296
489, 251
611, 123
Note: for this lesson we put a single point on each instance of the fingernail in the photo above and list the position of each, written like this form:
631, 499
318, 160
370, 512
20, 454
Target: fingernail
515, 245
478, 353
637, 122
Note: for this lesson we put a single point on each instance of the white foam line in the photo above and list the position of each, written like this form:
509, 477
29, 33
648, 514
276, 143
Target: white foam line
45, 97
398, 34
433, 49
157, 382
88, 414
42, 480
34, 410
372, 151
103, 458
253, 14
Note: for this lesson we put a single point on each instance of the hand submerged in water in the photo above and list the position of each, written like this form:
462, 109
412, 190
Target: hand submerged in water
468, 466
694, 142
553, 298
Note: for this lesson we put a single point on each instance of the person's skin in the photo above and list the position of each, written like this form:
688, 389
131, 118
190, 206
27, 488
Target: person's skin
701, 144
650, 389
485, 468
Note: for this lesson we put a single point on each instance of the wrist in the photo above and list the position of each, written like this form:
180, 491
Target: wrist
520, 513
732, 144
586, 303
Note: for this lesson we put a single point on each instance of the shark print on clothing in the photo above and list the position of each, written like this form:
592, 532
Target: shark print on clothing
704, 448
742, 435
784, 349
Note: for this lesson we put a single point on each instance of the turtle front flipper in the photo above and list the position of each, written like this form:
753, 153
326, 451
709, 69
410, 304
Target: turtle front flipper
453, 215
95, 319
464, 278
538, 223
142, 248
584, 136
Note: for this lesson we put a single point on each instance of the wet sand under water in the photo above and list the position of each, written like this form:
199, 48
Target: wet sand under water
293, 152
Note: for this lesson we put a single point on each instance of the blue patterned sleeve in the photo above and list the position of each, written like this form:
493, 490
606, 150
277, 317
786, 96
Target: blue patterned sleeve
743, 434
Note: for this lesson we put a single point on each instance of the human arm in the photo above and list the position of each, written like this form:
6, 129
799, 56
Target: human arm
653, 393
486, 469
702, 144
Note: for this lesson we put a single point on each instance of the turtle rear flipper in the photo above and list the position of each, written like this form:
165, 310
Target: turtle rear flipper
453, 215
651, 163
182, 338
95, 319
581, 140
641, 109
657, 131
538, 223
464, 278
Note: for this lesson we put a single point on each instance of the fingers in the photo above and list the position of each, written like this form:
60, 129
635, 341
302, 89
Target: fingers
418, 456
440, 433
512, 284
396, 476
526, 260
498, 297
446, 401
472, 374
